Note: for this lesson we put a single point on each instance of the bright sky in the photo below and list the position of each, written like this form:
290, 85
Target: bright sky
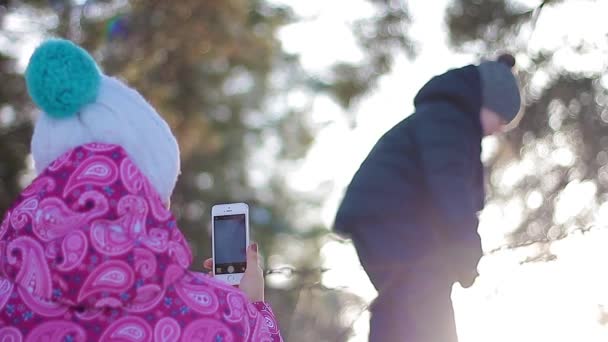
556, 301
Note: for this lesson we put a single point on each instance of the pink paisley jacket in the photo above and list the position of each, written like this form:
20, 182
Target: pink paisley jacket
90, 253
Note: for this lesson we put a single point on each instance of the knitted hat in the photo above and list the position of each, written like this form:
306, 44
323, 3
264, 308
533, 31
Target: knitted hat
81, 105
499, 87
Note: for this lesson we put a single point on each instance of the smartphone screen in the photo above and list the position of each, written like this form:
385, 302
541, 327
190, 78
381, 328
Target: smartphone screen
230, 239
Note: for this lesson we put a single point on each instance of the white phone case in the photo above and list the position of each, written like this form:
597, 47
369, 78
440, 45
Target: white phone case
223, 210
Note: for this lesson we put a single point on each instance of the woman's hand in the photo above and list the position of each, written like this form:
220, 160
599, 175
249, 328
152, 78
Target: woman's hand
252, 282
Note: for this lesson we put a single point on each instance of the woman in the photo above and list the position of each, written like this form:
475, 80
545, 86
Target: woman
90, 251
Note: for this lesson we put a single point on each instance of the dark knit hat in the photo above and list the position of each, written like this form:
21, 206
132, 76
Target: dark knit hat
499, 87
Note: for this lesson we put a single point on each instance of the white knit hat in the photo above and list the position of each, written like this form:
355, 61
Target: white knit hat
82, 105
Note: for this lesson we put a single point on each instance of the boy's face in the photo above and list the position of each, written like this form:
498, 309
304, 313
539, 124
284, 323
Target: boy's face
491, 122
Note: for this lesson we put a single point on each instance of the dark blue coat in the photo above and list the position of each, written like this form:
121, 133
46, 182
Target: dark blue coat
422, 183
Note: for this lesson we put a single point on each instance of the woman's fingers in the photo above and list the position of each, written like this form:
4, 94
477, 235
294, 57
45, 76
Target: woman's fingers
252, 255
252, 282
208, 264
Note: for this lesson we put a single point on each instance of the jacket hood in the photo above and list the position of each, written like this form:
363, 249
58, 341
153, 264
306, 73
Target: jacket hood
459, 87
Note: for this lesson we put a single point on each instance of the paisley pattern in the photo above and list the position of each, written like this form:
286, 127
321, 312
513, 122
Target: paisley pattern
112, 276
53, 218
128, 329
57, 331
167, 330
23, 213
6, 288
89, 252
61, 161
97, 170
34, 274
135, 181
5, 224
207, 330
10, 334
147, 298
74, 246
40, 184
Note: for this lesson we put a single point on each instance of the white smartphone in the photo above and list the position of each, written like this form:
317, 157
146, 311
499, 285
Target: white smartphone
229, 239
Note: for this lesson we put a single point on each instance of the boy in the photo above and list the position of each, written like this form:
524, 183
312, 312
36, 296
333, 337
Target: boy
411, 208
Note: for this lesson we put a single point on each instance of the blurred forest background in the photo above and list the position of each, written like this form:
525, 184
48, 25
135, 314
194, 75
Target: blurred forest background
218, 73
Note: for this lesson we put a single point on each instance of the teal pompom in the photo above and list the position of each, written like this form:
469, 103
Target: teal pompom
62, 77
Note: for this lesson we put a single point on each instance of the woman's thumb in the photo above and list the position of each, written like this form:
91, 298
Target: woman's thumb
252, 254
